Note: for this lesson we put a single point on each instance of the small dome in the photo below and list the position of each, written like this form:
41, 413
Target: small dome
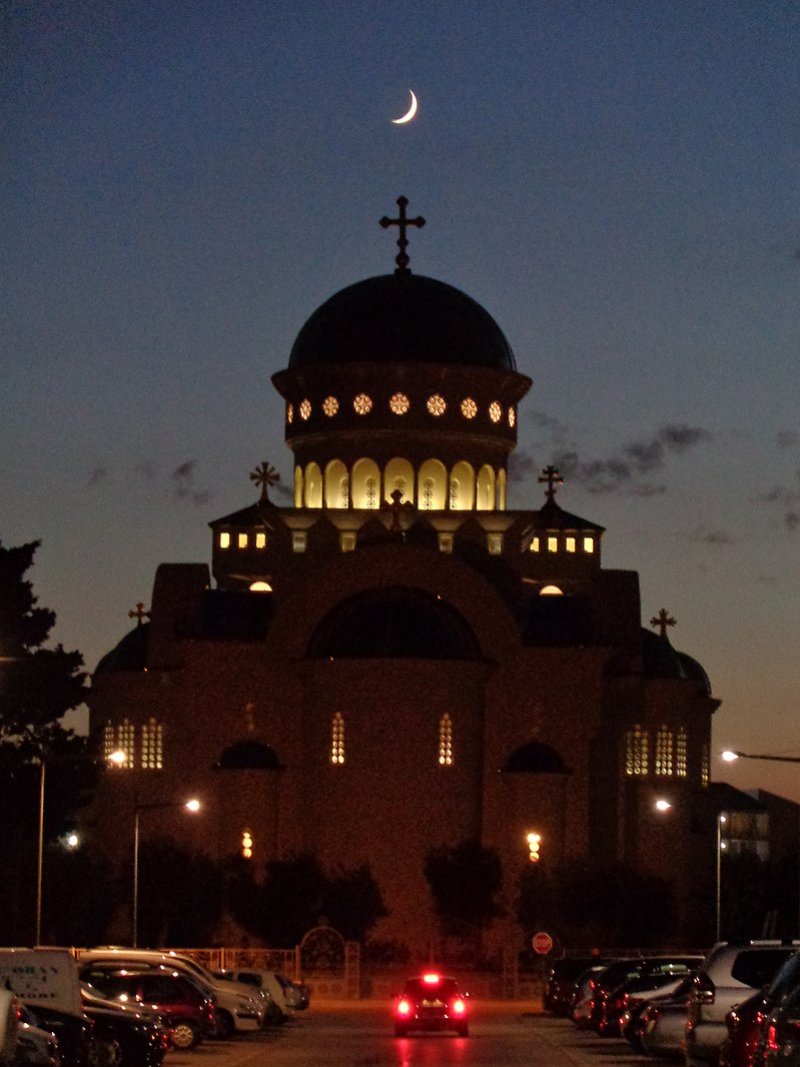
249, 756
661, 660
402, 318
130, 654
535, 758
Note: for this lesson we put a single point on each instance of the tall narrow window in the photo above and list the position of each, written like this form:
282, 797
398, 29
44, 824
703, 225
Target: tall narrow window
680, 753
445, 741
126, 741
337, 739
636, 754
705, 768
247, 844
665, 752
109, 741
152, 745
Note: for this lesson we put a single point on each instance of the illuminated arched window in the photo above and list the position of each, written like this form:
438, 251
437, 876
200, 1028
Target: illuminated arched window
337, 482
502, 481
152, 745
705, 767
109, 741
445, 741
126, 741
260, 586
337, 739
462, 487
636, 754
365, 484
551, 590
399, 474
665, 751
486, 489
432, 493
680, 753
313, 486
298, 487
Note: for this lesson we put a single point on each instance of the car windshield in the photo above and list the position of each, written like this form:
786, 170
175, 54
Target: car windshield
441, 987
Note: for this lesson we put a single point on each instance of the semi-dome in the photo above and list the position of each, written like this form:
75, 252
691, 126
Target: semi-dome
402, 318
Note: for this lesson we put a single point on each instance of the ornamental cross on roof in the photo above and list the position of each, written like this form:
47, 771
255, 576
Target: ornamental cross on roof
553, 478
397, 508
265, 476
402, 223
662, 621
139, 613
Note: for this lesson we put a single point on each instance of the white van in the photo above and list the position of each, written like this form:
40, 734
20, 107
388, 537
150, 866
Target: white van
238, 1006
266, 980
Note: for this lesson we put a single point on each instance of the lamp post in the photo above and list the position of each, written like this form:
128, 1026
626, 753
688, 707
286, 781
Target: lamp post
721, 820
116, 758
192, 805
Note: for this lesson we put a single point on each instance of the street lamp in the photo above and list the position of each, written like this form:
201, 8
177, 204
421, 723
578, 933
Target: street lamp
116, 758
192, 805
721, 820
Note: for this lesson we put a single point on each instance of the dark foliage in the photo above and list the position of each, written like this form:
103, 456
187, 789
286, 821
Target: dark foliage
180, 895
464, 881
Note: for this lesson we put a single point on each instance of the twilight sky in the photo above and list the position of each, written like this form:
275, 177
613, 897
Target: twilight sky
183, 183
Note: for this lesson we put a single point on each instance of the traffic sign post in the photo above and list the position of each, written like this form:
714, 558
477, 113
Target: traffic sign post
542, 943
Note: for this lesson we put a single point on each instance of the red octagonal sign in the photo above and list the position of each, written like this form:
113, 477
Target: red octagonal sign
542, 943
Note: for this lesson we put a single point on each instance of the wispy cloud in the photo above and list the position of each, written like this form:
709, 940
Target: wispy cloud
183, 484
702, 535
98, 475
787, 438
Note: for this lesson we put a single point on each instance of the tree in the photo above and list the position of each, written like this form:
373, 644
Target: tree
464, 880
180, 895
352, 902
38, 686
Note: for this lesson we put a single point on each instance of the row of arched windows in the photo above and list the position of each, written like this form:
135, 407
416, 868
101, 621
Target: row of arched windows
667, 747
400, 403
430, 488
444, 751
148, 754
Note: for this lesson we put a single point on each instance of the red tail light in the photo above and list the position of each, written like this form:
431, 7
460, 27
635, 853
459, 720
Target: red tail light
403, 1006
772, 1043
459, 1007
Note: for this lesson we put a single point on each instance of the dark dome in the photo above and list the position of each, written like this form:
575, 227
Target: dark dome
249, 756
130, 654
535, 758
661, 660
402, 318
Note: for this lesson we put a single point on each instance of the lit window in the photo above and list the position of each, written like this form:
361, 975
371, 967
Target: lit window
399, 404
126, 742
636, 754
290, 413
224, 540
436, 404
362, 404
298, 540
588, 544
494, 544
680, 753
109, 744
550, 590
495, 411
261, 540
427, 494
535, 545
552, 544
570, 544
260, 587
534, 842
469, 409
305, 409
446, 542
247, 844
705, 768
445, 741
337, 739
665, 752
512, 418
347, 540
241, 540
152, 745
330, 405
454, 494
371, 493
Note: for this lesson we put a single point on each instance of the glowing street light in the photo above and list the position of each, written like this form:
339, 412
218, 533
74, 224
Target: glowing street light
193, 805
534, 844
663, 805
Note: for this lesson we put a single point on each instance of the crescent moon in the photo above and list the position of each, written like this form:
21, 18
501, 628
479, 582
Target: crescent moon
409, 115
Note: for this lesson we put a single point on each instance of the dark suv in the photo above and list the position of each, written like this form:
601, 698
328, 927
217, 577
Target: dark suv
562, 982
187, 1009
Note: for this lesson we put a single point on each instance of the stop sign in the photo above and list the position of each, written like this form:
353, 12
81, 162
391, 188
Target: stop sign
542, 943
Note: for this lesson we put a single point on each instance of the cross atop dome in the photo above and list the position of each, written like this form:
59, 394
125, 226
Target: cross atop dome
402, 223
551, 476
662, 621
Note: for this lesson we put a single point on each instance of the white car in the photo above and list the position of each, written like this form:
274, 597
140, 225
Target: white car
268, 982
238, 1006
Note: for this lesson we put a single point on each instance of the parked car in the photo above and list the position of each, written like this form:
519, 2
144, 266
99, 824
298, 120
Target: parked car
781, 1045
636, 1015
562, 981
266, 982
297, 994
609, 979
655, 972
187, 1009
660, 1025
746, 1022
125, 1035
581, 1011
431, 1002
731, 973
36, 1047
238, 1006
73, 1033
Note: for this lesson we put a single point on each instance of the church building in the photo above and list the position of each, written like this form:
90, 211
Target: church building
398, 660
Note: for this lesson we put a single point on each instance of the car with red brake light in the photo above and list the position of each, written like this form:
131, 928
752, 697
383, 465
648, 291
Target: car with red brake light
431, 1001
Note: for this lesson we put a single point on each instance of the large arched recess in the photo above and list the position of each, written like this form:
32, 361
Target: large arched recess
394, 622
463, 588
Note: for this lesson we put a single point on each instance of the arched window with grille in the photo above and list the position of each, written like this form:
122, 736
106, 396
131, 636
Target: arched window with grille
665, 752
126, 741
337, 739
680, 753
705, 767
636, 751
152, 745
445, 741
